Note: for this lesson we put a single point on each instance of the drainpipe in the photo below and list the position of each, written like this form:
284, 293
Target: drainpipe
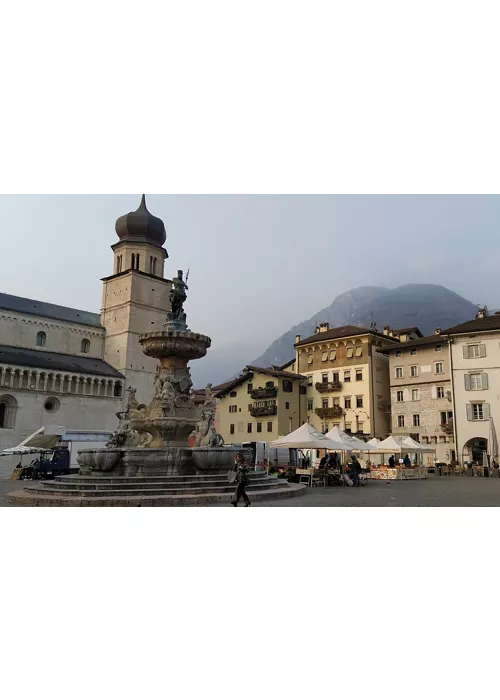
372, 392
452, 379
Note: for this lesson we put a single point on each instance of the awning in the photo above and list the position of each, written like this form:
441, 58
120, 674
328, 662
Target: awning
307, 438
42, 439
414, 446
352, 444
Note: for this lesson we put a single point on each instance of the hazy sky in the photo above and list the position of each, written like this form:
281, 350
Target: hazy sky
259, 263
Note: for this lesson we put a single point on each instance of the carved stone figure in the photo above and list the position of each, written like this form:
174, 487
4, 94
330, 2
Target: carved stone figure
158, 383
146, 440
205, 434
167, 397
124, 438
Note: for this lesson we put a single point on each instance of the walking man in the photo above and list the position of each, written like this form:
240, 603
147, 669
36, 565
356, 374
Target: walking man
241, 470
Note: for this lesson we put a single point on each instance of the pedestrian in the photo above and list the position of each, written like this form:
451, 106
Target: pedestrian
323, 462
241, 470
407, 462
355, 471
392, 462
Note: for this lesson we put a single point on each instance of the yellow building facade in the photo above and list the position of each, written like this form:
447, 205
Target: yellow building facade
347, 379
261, 405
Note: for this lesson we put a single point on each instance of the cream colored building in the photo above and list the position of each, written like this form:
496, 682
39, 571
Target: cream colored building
68, 367
261, 405
475, 364
347, 379
421, 396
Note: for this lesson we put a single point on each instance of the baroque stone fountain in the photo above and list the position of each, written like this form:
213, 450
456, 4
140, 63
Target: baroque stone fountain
148, 461
154, 440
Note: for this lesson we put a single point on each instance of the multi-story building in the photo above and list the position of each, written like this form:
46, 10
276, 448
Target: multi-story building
475, 365
421, 395
261, 405
347, 379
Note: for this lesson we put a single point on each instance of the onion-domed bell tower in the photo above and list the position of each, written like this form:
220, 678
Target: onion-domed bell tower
136, 297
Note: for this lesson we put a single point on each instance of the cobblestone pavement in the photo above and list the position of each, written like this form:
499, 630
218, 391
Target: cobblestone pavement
433, 492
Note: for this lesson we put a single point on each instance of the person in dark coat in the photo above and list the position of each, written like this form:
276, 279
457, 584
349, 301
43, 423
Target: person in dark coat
392, 462
241, 469
407, 462
355, 471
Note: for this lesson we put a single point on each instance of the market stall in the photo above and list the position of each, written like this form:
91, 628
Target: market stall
307, 438
399, 446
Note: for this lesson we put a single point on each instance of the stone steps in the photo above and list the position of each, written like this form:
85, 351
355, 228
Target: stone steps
93, 486
29, 498
187, 479
146, 490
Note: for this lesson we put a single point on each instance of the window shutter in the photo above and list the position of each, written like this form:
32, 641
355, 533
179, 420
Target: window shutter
484, 379
466, 352
486, 411
467, 382
434, 392
469, 411
482, 351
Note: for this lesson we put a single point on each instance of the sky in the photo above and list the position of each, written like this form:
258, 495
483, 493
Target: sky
259, 263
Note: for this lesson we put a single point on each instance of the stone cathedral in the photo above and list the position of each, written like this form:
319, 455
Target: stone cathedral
63, 366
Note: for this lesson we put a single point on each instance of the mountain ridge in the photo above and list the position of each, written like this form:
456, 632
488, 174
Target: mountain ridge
427, 306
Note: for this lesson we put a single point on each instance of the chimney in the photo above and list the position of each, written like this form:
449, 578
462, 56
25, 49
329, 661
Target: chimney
386, 330
482, 312
324, 327
317, 330
438, 331
297, 339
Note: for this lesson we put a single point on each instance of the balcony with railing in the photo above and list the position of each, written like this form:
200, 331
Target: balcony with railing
259, 411
325, 387
332, 412
447, 427
269, 392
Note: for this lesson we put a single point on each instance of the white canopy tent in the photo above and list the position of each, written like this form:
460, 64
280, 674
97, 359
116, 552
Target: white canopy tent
351, 443
307, 438
394, 443
42, 439
414, 446
374, 442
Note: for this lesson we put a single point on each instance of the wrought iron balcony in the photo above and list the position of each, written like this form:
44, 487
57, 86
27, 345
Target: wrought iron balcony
447, 427
333, 412
264, 393
257, 412
325, 387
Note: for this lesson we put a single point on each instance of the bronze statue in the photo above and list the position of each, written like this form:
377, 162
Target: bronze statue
178, 296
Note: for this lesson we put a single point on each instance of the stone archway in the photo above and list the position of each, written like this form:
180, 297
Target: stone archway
474, 449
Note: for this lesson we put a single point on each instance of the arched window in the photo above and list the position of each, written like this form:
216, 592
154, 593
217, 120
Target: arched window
41, 339
133, 261
137, 261
119, 262
151, 265
8, 409
154, 266
85, 345
118, 389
